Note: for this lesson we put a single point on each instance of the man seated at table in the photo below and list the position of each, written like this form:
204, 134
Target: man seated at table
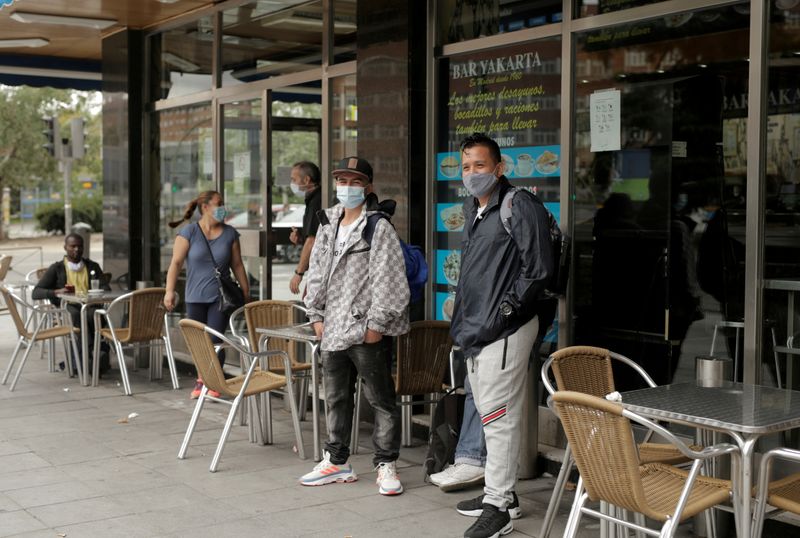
73, 274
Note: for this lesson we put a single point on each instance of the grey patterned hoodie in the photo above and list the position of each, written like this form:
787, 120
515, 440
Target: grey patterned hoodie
366, 289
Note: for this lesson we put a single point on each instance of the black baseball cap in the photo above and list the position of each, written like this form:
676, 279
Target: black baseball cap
355, 165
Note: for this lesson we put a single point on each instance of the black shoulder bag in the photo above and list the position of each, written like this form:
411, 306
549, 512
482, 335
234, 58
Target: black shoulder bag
231, 295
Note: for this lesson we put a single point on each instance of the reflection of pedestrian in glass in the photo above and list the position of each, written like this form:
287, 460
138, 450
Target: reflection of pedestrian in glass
305, 180
192, 246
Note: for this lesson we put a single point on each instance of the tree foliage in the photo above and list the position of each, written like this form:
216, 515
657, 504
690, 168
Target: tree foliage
23, 160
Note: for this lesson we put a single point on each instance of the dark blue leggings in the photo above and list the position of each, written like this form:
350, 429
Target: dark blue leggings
209, 314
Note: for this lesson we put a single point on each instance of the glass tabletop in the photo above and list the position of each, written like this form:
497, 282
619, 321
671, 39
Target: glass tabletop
304, 332
731, 406
89, 298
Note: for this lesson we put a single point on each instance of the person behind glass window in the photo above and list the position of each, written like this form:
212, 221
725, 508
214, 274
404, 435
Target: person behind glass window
305, 181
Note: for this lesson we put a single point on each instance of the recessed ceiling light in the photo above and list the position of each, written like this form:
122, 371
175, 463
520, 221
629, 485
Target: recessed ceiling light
702, 65
65, 20
622, 75
584, 81
167, 1
24, 42
660, 71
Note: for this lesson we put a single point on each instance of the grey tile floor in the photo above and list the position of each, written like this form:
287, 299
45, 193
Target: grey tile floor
69, 467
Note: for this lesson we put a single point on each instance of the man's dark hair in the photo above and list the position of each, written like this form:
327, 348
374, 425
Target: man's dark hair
73, 236
307, 168
480, 139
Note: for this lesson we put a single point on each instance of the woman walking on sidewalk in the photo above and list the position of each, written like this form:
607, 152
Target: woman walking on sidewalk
205, 245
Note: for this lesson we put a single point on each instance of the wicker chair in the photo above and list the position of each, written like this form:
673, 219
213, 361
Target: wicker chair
147, 325
422, 358
608, 460
783, 494
48, 323
589, 370
5, 265
198, 340
270, 313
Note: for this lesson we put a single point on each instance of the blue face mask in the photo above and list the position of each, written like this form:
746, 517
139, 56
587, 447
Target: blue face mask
351, 197
219, 213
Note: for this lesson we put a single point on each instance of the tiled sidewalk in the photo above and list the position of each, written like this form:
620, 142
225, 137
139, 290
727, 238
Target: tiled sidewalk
68, 467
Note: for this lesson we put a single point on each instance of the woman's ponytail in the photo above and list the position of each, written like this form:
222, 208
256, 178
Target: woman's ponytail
202, 198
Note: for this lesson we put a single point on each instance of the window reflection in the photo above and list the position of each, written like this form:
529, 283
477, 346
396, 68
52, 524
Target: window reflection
182, 59
270, 37
186, 166
460, 20
659, 229
782, 188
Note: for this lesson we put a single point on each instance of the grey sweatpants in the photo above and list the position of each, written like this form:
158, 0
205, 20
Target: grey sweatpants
497, 375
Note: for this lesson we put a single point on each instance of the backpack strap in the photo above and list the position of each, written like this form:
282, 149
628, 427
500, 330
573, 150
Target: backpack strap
505, 208
323, 218
369, 228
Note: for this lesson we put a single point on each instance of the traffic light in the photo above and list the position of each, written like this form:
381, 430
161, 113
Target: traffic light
53, 139
78, 138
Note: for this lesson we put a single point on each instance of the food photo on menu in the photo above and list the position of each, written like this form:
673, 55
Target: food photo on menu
450, 217
448, 263
444, 305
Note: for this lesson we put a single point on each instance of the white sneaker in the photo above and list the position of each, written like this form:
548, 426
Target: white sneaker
458, 476
388, 483
326, 472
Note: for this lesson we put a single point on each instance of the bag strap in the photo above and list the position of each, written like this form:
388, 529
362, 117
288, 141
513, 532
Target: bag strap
208, 246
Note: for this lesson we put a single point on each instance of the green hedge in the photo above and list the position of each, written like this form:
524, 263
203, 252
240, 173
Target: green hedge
88, 210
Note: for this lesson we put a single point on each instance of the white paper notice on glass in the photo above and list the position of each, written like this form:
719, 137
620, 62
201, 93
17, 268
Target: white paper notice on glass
241, 171
604, 112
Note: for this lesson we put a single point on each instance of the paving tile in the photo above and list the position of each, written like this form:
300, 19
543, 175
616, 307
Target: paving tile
32, 477
303, 521
8, 504
17, 522
8, 447
171, 496
130, 526
21, 462
198, 516
85, 510
51, 494
242, 527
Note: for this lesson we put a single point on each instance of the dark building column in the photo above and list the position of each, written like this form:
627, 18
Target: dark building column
391, 108
123, 188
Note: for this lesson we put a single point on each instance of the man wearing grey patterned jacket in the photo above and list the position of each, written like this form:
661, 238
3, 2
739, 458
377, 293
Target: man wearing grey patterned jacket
357, 298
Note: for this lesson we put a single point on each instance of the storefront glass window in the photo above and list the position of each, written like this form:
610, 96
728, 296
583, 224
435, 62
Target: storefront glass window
660, 187
586, 8
344, 120
782, 194
513, 95
460, 20
182, 60
270, 37
186, 168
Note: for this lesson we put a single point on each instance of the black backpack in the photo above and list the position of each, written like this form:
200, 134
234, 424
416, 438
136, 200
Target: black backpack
559, 242
445, 429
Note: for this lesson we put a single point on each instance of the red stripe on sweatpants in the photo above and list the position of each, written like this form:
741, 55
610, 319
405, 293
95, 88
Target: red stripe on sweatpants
493, 415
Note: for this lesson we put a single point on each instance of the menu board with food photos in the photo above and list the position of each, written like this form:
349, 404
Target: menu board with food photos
512, 95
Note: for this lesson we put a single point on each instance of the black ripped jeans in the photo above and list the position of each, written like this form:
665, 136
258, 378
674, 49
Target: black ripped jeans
374, 363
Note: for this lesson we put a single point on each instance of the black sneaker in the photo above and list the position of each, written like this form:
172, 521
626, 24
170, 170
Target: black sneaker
474, 507
492, 524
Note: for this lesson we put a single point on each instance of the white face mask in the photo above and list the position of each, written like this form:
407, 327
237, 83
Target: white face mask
297, 190
351, 197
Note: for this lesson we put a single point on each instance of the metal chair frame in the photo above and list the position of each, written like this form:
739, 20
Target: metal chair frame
155, 366
255, 358
698, 459
762, 492
45, 317
263, 406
